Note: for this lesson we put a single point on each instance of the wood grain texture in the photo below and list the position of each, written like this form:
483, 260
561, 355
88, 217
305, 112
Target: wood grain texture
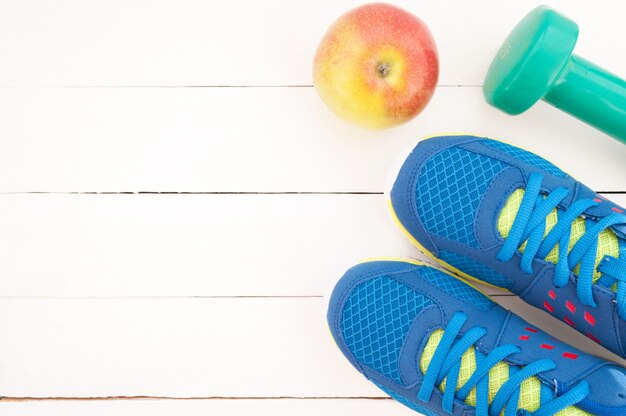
172, 348
246, 42
254, 140
271, 347
213, 295
190, 245
286, 407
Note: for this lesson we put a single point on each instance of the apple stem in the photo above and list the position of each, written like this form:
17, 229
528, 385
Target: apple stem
383, 69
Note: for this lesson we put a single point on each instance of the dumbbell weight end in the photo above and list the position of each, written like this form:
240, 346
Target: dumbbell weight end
536, 62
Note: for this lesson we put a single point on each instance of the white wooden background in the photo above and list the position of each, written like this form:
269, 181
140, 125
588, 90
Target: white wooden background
175, 199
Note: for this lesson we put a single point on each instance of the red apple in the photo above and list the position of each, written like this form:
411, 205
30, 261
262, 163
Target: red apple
377, 66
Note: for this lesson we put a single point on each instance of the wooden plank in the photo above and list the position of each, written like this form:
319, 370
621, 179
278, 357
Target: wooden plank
190, 245
245, 42
257, 140
183, 348
339, 407
172, 348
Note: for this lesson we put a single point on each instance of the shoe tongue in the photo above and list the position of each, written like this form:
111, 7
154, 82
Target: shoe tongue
609, 243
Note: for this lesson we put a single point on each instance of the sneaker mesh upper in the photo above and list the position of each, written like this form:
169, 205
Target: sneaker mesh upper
474, 268
526, 156
375, 321
454, 287
449, 188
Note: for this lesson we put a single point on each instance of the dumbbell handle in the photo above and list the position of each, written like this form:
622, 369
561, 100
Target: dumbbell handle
591, 94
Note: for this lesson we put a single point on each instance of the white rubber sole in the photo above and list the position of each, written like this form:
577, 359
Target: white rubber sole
396, 165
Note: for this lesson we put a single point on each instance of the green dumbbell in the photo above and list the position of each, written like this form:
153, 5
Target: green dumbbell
536, 62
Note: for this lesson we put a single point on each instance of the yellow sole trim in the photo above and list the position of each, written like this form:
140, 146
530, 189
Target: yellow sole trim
396, 259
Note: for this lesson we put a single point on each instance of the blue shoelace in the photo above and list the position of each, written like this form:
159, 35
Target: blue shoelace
530, 224
446, 362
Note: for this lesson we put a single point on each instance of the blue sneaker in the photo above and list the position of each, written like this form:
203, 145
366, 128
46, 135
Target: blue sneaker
499, 214
440, 347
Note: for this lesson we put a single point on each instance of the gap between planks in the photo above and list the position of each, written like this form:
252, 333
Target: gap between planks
221, 193
194, 193
110, 398
189, 86
497, 295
